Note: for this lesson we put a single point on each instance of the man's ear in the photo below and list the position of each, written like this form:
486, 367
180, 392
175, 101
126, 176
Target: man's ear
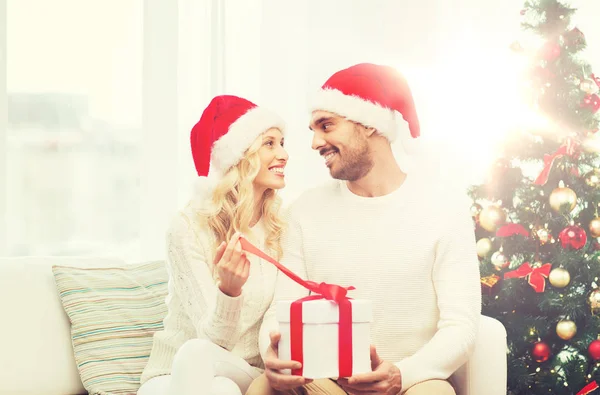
370, 131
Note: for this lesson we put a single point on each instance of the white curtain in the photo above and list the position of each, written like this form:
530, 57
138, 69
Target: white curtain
101, 96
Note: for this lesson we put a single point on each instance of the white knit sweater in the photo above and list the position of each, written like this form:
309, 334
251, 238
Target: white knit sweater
411, 252
196, 306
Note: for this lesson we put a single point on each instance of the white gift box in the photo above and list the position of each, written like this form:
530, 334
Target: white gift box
320, 337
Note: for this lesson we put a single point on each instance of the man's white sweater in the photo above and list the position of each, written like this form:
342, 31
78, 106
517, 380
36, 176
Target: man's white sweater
411, 252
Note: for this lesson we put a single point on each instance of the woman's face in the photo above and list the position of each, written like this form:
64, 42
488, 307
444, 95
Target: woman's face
273, 159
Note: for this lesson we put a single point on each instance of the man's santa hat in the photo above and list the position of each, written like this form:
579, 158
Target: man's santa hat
227, 128
373, 95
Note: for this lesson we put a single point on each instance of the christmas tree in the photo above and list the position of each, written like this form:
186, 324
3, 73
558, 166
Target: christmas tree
537, 217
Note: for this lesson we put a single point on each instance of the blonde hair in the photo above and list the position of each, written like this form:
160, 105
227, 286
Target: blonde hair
231, 207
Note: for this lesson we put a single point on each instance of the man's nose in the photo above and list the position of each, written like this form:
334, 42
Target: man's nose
317, 141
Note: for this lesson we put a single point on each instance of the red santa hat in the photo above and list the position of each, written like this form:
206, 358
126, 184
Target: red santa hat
373, 95
227, 128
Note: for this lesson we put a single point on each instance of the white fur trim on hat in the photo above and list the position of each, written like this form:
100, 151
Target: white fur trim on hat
204, 186
388, 123
230, 148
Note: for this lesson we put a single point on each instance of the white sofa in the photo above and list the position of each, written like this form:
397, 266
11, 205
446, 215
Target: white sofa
36, 356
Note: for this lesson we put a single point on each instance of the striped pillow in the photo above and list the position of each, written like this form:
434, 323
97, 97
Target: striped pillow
114, 312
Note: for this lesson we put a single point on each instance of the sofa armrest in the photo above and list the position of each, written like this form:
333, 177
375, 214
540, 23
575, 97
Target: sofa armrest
486, 370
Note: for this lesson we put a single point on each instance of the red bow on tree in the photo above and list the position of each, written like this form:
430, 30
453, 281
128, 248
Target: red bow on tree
511, 230
588, 389
536, 277
568, 148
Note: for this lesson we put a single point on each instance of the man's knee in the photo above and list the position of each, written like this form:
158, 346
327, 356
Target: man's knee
438, 387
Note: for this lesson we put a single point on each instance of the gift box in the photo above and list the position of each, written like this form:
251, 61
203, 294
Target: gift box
320, 342
327, 332
489, 284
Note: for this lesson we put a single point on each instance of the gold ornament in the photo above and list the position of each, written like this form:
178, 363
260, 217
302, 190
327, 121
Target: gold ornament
484, 247
542, 234
594, 301
566, 329
592, 179
499, 260
595, 227
563, 200
591, 144
516, 46
475, 210
491, 218
589, 86
559, 277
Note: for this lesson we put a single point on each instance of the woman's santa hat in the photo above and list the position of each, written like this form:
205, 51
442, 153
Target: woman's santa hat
373, 95
227, 128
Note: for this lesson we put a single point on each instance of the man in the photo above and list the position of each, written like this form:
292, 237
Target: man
393, 234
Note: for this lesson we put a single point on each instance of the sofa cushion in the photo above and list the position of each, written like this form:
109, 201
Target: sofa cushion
114, 312
35, 347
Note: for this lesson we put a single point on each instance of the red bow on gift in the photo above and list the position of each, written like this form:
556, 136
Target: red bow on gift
568, 148
536, 277
588, 389
331, 292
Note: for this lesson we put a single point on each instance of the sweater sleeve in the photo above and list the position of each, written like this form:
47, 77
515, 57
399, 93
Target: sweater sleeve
216, 316
285, 288
457, 285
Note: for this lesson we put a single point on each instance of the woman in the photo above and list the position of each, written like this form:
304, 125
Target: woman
217, 294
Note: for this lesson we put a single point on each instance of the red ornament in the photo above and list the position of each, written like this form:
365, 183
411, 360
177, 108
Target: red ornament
540, 352
594, 350
523, 11
550, 51
592, 102
572, 237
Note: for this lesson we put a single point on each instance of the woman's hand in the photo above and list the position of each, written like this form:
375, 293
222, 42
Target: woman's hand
232, 265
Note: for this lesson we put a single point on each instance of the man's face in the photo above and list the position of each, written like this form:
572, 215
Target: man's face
342, 144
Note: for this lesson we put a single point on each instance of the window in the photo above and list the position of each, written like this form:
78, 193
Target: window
74, 98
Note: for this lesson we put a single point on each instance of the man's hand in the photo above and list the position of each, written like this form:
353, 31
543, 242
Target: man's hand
273, 364
384, 379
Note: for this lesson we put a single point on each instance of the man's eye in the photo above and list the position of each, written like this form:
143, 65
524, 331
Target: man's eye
269, 143
326, 125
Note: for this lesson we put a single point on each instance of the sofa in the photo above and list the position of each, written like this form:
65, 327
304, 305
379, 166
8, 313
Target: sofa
36, 347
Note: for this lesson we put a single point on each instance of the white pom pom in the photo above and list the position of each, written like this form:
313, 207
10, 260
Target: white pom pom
203, 187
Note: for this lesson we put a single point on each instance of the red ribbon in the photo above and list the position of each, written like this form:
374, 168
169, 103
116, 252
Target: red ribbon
536, 277
568, 148
588, 389
596, 79
511, 230
323, 290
